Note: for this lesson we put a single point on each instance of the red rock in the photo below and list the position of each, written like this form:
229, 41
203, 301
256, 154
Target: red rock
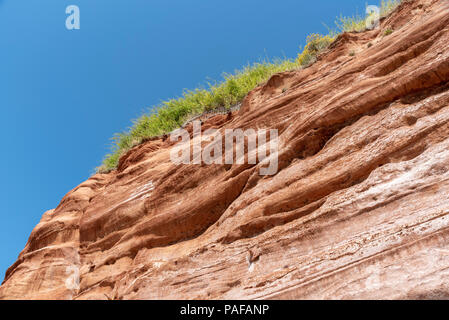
359, 208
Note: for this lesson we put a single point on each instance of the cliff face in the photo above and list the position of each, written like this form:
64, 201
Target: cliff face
358, 209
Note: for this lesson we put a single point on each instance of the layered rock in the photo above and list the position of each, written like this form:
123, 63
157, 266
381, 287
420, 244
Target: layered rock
358, 209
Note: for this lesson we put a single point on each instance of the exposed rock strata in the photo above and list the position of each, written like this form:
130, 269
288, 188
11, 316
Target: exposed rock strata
359, 208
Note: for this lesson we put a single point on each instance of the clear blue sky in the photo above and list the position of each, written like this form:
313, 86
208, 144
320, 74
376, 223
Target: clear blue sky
64, 93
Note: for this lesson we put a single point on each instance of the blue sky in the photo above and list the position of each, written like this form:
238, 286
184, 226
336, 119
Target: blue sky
64, 93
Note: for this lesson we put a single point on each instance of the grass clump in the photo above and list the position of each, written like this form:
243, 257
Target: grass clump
316, 43
358, 23
172, 114
388, 31
354, 23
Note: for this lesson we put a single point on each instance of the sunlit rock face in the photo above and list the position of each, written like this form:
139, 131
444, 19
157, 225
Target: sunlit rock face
359, 207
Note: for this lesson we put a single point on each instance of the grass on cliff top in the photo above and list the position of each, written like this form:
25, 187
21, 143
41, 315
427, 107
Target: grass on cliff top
357, 23
171, 114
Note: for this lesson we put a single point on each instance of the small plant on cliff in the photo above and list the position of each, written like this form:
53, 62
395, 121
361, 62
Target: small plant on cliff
316, 43
387, 6
357, 23
388, 31
354, 23
171, 114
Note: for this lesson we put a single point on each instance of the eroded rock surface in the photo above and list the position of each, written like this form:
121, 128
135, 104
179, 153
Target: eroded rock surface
359, 208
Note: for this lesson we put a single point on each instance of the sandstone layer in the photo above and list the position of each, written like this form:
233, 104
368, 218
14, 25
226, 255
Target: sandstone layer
359, 208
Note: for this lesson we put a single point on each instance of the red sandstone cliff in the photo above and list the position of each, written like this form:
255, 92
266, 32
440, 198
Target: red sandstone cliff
358, 209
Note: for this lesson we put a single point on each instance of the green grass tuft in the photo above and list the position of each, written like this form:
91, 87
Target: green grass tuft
387, 7
171, 114
355, 23
316, 44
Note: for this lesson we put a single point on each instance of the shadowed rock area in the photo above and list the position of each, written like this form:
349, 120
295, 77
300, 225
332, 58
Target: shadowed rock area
358, 209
